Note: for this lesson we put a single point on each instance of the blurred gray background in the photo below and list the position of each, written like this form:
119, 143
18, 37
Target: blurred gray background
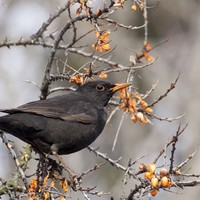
176, 21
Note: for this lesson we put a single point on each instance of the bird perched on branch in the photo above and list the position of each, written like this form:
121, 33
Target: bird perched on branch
62, 124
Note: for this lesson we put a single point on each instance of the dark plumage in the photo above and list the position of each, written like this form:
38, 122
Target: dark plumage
62, 124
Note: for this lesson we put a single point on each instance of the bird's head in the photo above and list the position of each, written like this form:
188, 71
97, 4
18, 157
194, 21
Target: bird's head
100, 92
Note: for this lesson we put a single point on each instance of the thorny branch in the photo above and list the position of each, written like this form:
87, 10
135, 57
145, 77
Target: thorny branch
177, 169
45, 25
172, 86
178, 133
141, 189
17, 163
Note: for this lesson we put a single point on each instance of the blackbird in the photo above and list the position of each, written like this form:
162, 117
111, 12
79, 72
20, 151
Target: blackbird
62, 124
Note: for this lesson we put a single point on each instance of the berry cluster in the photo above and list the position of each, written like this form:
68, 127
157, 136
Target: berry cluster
157, 180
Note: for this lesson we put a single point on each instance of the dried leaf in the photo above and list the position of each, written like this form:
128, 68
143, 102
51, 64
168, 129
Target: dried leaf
45, 179
33, 185
64, 185
103, 75
106, 47
102, 41
46, 195
148, 57
52, 184
77, 79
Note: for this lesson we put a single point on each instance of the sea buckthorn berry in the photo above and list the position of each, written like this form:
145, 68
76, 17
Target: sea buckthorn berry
154, 192
152, 168
149, 176
164, 181
163, 172
154, 182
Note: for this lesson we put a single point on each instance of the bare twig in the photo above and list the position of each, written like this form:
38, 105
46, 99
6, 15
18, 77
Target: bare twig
112, 114
49, 21
97, 166
174, 141
118, 130
33, 83
145, 22
130, 27
191, 183
179, 131
114, 163
176, 169
172, 86
46, 81
167, 119
12, 152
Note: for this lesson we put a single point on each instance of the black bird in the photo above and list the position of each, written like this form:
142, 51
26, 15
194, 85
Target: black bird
62, 124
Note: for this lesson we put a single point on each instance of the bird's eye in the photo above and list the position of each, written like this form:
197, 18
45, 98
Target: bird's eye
100, 87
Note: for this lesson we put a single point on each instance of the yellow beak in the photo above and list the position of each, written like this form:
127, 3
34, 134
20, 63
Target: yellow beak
119, 86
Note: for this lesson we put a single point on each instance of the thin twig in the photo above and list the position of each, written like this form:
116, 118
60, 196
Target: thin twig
118, 130
130, 27
172, 86
191, 183
185, 161
180, 131
145, 22
112, 114
167, 119
12, 152
50, 20
46, 82
174, 142
114, 163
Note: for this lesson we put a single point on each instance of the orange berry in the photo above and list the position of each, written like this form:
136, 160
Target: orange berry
140, 116
143, 168
133, 7
164, 181
154, 192
103, 75
152, 168
149, 110
106, 47
154, 182
163, 172
148, 175
170, 183
144, 104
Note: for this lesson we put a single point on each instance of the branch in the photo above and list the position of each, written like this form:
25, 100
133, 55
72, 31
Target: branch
182, 184
17, 163
114, 163
49, 21
178, 133
184, 163
172, 86
46, 79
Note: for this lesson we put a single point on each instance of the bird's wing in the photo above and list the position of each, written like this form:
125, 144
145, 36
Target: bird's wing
60, 108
